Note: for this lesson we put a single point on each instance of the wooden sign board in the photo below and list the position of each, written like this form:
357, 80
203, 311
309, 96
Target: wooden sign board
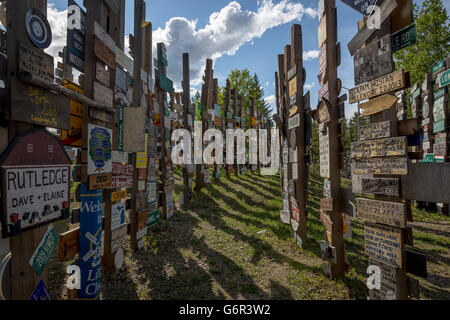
388, 213
38, 106
323, 75
134, 126
323, 91
103, 95
324, 153
292, 72
323, 111
118, 237
322, 31
382, 186
373, 61
376, 131
392, 82
390, 282
293, 86
325, 219
379, 148
294, 121
100, 181
35, 173
326, 204
402, 16
69, 244
101, 74
104, 54
384, 244
36, 62
293, 111
381, 166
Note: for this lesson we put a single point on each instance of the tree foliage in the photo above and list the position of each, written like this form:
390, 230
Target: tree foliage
433, 41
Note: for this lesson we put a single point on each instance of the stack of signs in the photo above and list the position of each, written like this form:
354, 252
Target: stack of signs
72, 137
384, 221
99, 157
427, 114
76, 35
440, 111
35, 171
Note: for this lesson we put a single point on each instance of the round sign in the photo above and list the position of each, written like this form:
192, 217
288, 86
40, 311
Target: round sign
38, 28
118, 258
293, 139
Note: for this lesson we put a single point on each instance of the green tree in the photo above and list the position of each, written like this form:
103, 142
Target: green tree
433, 41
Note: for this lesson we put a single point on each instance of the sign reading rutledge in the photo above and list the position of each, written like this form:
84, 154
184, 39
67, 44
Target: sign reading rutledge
35, 181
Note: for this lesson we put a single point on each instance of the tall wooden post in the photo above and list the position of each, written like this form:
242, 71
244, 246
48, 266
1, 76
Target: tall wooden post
337, 239
301, 181
214, 102
227, 121
187, 123
235, 114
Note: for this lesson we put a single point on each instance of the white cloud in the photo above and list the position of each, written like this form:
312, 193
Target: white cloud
271, 100
309, 86
310, 55
58, 22
226, 32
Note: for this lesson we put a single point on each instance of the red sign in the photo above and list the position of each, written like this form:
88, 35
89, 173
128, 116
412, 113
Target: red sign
119, 169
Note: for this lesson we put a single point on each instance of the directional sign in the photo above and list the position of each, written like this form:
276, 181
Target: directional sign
379, 148
44, 250
362, 6
443, 79
403, 38
376, 131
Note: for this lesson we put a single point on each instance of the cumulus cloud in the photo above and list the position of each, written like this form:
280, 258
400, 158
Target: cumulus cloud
309, 86
58, 22
272, 102
310, 55
226, 31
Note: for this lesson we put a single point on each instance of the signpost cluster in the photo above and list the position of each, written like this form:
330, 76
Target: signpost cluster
382, 157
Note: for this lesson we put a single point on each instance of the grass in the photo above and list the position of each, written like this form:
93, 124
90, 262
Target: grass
229, 243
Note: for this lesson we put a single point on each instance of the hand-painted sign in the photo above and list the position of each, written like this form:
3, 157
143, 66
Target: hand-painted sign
44, 250
72, 137
38, 106
324, 152
117, 215
325, 219
403, 38
382, 166
373, 61
99, 150
376, 130
392, 82
40, 292
76, 35
142, 217
384, 244
379, 148
293, 86
36, 62
118, 237
388, 213
90, 242
35, 172
384, 186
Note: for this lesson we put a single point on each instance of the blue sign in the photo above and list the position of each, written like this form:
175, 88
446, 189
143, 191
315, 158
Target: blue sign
41, 292
362, 6
90, 242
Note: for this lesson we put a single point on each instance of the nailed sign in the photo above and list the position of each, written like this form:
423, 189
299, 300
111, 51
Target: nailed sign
384, 166
443, 79
324, 152
403, 38
294, 121
323, 76
134, 126
293, 86
384, 244
76, 35
362, 6
36, 62
376, 131
389, 213
373, 61
38, 106
103, 95
35, 181
392, 82
105, 54
379, 148
44, 250
99, 150
385, 186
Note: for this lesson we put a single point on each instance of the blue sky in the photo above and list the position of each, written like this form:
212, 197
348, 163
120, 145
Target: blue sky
246, 34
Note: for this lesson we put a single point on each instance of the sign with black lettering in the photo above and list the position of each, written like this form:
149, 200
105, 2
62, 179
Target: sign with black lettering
389, 213
35, 181
384, 244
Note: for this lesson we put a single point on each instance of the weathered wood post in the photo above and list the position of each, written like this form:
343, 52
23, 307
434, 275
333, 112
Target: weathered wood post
229, 122
188, 170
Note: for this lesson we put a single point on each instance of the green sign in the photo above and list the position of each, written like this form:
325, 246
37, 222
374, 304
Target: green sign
165, 83
444, 79
439, 93
438, 109
439, 126
403, 38
428, 158
120, 130
153, 217
439, 66
440, 159
44, 250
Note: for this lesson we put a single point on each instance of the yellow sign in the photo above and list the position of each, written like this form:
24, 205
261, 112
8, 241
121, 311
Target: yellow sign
118, 195
293, 86
76, 108
254, 122
293, 111
72, 137
141, 157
